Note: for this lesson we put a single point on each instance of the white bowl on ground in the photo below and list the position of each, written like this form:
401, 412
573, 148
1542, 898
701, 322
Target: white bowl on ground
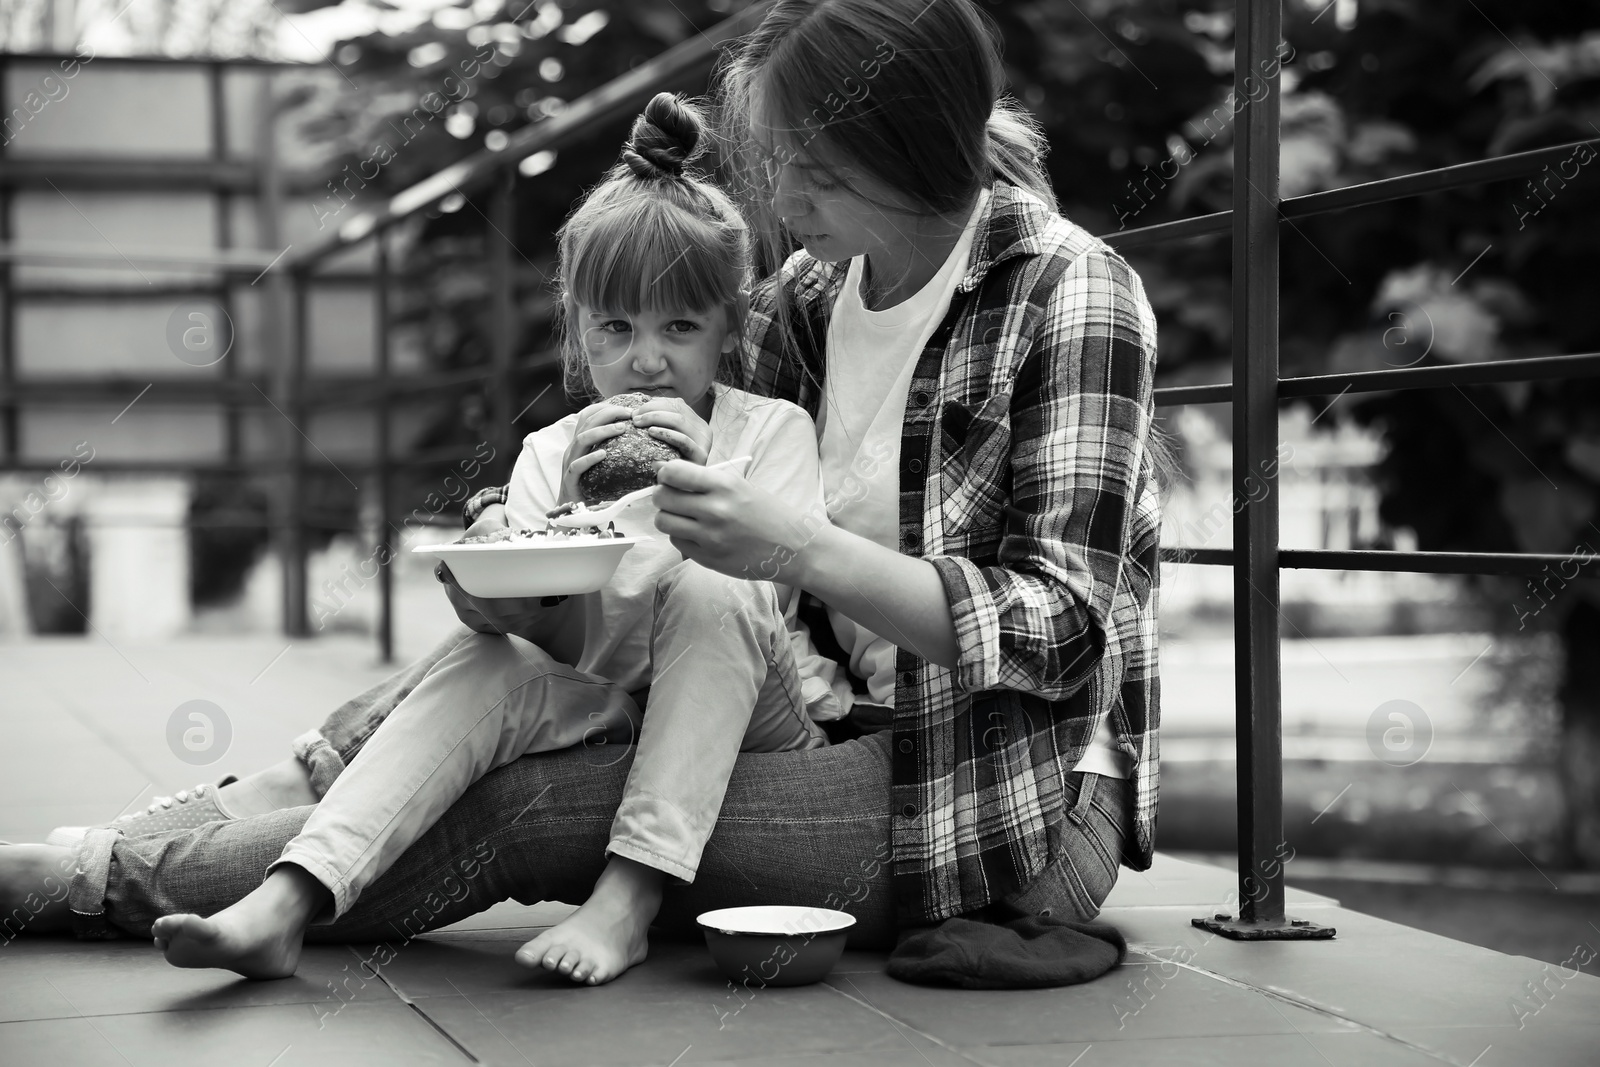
776, 944
556, 566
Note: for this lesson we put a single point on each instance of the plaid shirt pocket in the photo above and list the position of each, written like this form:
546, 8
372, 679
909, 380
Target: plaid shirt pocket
975, 473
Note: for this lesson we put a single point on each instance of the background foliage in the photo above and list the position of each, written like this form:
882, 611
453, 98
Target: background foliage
1135, 95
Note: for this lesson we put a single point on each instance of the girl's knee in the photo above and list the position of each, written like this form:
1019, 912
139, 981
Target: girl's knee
493, 660
701, 587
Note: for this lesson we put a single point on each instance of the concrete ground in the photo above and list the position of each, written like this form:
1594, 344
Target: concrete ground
95, 729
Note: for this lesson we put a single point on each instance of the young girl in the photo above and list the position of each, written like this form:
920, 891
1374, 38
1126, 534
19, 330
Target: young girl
653, 267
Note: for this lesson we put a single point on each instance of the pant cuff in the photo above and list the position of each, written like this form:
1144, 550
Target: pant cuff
632, 850
86, 893
312, 865
322, 761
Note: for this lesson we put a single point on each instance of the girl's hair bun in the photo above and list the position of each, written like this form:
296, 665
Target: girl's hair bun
664, 138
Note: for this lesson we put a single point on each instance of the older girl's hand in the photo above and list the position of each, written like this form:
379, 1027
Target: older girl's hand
671, 420
721, 521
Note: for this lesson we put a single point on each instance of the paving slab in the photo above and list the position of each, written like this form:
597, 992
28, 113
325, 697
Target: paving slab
1279, 1050
1383, 973
52, 978
271, 1036
1132, 1002
88, 726
1207, 889
653, 1016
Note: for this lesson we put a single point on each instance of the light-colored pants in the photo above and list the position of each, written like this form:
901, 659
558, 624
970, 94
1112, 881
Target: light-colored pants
725, 681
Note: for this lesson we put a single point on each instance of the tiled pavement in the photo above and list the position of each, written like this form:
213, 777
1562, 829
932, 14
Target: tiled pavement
87, 725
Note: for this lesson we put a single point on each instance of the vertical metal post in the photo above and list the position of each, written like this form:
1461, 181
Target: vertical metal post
502, 295
1257, 676
1258, 28
385, 547
10, 410
222, 206
294, 534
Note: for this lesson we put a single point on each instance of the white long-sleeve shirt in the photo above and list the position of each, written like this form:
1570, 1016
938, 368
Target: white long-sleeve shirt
781, 440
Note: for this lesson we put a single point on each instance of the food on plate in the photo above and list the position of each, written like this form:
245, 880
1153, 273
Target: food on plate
514, 536
631, 459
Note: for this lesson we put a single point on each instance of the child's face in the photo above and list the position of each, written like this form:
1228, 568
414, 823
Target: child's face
665, 353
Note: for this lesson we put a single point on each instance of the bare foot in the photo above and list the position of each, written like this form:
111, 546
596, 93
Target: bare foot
33, 889
259, 937
606, 936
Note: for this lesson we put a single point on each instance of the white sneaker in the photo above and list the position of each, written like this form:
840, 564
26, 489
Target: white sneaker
185, 810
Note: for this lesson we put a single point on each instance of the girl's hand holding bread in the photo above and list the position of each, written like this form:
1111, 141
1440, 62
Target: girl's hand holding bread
671, 420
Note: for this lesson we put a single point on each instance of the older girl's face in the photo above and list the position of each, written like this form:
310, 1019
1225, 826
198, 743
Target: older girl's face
662, 353
837, 211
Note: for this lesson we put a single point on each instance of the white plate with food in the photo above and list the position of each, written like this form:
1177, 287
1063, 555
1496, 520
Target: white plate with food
519, 563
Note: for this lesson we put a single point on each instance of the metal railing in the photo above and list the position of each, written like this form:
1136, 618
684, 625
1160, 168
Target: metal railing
1255, 391
1257, 560
496, 170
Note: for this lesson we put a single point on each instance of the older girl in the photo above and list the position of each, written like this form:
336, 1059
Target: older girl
992, 591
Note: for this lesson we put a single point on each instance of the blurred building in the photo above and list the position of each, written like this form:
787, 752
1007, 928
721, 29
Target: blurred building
141, 205
1328, 502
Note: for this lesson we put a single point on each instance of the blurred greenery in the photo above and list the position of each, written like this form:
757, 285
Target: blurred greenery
1135, 97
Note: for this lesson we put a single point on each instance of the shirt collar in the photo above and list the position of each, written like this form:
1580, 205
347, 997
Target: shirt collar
1011, 224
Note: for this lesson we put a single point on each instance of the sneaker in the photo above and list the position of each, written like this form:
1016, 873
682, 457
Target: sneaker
185, 810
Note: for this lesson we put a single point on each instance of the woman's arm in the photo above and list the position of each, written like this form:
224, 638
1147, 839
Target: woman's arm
896, 596
721, 521
1037, 619
787, 465
1081, 522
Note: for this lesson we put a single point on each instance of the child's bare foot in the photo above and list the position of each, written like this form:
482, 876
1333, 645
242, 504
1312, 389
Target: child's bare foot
606, 936
259, 937
33, 889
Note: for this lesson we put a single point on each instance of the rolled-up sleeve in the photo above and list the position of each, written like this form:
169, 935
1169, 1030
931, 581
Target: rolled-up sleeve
1038, 618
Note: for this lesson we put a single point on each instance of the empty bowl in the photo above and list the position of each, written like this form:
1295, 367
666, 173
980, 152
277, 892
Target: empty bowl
776, 944
533, 567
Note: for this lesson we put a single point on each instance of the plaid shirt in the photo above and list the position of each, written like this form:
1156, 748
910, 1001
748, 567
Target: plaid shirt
1040, 511
1025, 480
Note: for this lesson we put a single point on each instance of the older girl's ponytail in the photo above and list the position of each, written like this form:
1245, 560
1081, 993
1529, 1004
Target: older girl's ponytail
1017, 147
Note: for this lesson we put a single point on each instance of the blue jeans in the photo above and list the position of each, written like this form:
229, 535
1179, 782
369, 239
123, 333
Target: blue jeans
806, 827
728, 683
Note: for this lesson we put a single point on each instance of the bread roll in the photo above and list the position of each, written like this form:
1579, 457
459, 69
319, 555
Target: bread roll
631, 459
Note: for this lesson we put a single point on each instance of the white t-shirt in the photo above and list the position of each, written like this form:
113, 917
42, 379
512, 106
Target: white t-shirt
781, 441
871, 356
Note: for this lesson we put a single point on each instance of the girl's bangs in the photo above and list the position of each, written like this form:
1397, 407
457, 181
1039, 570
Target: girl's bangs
650, 258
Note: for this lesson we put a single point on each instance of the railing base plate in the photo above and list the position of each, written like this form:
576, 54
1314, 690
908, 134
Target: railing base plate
1282, 930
